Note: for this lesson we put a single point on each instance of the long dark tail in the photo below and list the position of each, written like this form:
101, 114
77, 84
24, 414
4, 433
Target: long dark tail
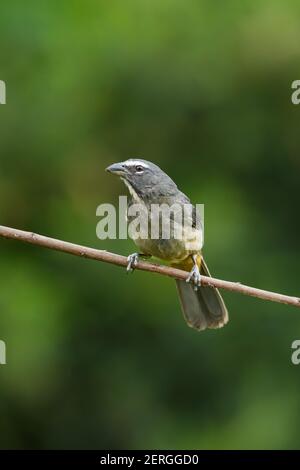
203, 308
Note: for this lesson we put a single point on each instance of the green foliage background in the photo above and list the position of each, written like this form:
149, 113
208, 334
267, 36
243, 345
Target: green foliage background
96, 358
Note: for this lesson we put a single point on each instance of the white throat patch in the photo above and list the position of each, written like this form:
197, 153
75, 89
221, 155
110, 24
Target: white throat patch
132, 192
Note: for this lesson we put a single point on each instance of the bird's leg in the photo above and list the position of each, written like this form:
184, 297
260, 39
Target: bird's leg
195, 277
133, 261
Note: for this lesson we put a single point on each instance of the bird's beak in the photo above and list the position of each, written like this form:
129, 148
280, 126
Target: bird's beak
116, 169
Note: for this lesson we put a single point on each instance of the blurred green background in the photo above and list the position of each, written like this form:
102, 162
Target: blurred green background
96, 358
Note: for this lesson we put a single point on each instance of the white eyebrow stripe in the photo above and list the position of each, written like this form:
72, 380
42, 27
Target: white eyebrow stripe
136, 162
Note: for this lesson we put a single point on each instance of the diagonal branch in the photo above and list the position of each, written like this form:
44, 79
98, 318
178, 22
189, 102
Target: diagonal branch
105, 256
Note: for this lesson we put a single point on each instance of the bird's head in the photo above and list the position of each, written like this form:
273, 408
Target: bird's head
143, 179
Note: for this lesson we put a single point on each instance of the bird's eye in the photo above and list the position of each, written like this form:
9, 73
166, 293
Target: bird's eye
139, 169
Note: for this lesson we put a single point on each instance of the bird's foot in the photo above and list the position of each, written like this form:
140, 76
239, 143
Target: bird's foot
132, 262
194, 277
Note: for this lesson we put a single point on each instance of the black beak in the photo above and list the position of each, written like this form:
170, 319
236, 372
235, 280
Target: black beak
116, 169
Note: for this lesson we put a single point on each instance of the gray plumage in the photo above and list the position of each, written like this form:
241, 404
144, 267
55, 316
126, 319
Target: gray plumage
148, 185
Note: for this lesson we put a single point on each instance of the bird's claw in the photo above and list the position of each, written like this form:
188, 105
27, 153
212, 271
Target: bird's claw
132, 262
194, 277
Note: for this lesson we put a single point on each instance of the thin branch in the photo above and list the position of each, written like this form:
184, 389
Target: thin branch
105, 256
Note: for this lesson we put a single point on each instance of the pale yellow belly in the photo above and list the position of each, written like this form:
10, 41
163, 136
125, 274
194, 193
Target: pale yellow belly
172, 250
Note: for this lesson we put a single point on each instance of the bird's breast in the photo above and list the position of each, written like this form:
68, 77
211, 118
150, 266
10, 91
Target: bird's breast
164, 238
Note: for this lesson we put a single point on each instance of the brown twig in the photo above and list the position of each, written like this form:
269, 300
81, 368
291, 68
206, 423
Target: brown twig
101, 255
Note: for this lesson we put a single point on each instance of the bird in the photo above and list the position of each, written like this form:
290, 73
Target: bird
149, 186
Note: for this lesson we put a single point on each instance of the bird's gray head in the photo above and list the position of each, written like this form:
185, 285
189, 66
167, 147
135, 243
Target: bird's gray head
144, 179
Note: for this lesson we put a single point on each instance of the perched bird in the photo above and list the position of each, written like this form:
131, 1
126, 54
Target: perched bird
203, 307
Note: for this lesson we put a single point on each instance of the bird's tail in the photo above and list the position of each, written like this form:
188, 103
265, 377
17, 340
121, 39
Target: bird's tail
203, 308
